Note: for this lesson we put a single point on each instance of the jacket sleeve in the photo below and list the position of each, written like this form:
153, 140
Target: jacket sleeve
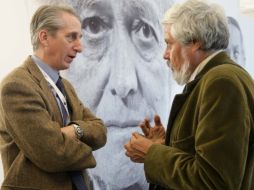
220, 142
94, 129
36, 134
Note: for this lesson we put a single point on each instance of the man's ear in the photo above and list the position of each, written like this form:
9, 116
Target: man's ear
195, 46
43, 37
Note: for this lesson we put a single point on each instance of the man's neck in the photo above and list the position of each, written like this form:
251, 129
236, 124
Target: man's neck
205, 57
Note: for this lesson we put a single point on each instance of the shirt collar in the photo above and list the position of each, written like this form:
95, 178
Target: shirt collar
202, 65
53, 74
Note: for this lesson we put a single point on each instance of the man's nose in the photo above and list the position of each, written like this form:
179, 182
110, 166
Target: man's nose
78, 46
123, 77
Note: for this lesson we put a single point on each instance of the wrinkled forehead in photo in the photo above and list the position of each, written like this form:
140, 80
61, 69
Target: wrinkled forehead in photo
108, 11
152, 7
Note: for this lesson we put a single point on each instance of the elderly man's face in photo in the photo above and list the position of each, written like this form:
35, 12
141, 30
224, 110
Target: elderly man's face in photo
235, 47
122, 77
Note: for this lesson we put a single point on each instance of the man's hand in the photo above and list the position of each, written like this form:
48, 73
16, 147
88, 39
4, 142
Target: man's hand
69, 131
156, 133
137, 147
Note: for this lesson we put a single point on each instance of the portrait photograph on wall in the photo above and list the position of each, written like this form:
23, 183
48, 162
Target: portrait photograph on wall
122, 77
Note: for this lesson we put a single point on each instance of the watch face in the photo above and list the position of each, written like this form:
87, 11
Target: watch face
78, 131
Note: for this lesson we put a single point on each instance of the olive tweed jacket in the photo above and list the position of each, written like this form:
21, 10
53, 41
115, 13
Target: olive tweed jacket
35, 154
210, 134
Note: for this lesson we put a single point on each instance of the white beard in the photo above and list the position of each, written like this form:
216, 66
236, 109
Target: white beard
183, 75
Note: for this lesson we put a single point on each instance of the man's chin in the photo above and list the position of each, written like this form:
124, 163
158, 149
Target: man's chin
65, 66
181, 77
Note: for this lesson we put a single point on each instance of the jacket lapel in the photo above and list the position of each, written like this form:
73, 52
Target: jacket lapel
177, 105
45, 87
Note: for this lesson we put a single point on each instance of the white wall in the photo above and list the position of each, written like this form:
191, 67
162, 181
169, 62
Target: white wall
15, 42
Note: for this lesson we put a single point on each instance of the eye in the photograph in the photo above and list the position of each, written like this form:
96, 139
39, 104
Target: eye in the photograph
145, 39
143, 30
94, 25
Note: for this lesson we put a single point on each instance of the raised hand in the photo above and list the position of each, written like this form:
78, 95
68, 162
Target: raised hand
155, 133
137, 147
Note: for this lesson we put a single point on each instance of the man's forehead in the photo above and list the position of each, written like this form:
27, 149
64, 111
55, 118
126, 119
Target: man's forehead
142, 4
167, 33
123, 9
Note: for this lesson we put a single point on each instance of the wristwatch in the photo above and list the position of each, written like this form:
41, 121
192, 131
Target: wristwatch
78, 131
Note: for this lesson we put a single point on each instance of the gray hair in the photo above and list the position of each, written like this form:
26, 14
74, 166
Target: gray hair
48, 17
198, 21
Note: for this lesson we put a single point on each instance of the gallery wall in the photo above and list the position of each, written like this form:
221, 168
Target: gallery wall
14, 33
15, 38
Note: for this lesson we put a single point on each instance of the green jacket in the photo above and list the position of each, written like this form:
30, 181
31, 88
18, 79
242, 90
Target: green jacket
210, 135
34, 152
